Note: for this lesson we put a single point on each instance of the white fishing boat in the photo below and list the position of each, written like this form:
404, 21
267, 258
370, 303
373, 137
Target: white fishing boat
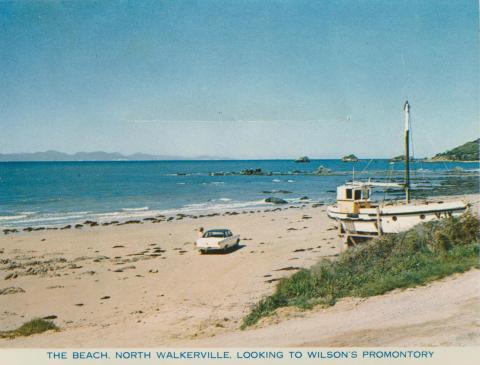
360, 217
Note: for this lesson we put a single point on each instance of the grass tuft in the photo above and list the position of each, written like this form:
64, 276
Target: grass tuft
31, 327
427, 252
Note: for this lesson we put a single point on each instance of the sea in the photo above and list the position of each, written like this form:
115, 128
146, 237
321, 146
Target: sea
54, 194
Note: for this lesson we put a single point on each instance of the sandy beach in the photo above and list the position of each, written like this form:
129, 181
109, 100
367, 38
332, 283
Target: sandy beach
144, 285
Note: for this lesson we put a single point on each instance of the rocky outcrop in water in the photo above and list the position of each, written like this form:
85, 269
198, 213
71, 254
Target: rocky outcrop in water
251, 172
275, 200
303, 159
322, 170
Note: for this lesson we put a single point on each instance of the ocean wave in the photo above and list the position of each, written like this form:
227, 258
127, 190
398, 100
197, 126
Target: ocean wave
125, 215
62, 218
213, 206
48, 220
12, 217
214, 183
134, 209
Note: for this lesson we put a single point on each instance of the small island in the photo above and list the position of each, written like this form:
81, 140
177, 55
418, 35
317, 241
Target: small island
398, 158
350, 158
401, 158
464, 153
303, 159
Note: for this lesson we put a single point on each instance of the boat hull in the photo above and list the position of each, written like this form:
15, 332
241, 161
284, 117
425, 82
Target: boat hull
394, 218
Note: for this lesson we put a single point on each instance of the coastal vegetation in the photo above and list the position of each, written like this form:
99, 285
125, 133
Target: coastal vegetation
29, 328
425, 253
466, 152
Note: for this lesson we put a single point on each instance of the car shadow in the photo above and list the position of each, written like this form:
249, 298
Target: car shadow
224, 252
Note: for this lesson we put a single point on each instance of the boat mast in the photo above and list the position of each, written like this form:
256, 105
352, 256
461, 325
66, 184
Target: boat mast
406, 108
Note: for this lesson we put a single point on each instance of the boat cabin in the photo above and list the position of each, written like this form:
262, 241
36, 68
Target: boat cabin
352, 197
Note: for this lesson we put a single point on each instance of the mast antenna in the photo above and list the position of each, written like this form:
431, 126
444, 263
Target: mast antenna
406, 109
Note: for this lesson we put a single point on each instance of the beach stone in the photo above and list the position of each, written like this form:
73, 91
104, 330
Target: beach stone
271, 280
11, 290
50, 317
11, 230
125, 268
90, 272
275, 200
289, 268
55, 287
11, 276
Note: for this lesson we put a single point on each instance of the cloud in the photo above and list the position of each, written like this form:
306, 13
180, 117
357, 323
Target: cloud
253, 121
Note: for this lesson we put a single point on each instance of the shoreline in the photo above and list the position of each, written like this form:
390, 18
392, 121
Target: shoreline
145, 284
84, 194
157, 216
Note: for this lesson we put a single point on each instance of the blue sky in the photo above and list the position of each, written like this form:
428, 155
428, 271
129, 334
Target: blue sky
242, 79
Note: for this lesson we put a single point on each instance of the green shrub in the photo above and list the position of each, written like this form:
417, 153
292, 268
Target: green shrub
427, 252
32, 327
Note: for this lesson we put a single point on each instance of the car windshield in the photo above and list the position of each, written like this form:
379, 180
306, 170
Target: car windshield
219, 234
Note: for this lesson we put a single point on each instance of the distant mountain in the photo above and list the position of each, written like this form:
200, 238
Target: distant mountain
465, 152
93, 156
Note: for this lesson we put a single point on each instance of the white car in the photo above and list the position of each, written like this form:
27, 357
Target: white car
217, 239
